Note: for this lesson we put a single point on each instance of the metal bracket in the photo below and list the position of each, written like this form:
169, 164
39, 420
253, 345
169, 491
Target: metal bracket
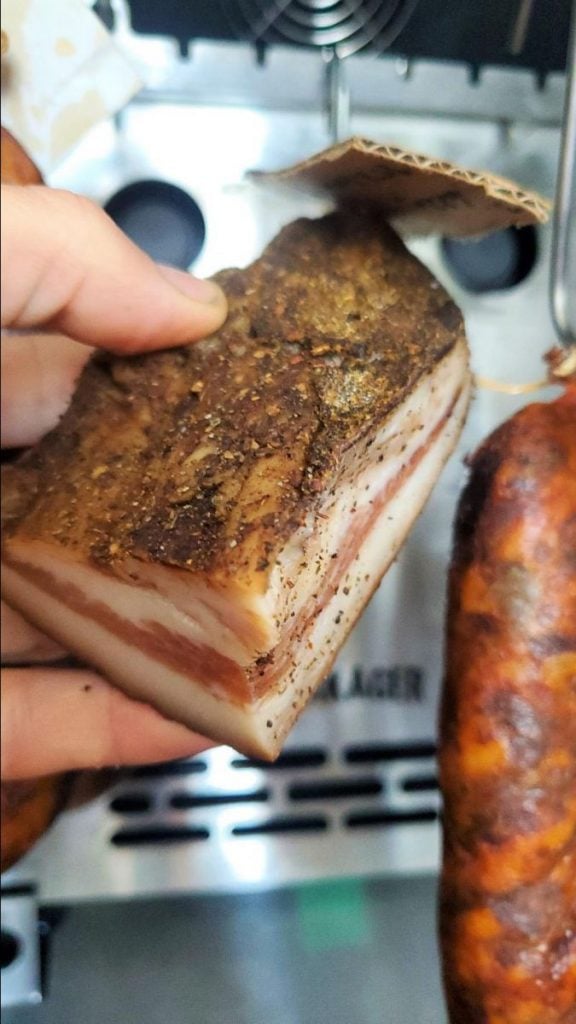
21, 969
565, 207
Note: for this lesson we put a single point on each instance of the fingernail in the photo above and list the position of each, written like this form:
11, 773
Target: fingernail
195, 288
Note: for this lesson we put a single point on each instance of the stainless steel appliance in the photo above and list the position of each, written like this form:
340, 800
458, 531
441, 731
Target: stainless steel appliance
355, 793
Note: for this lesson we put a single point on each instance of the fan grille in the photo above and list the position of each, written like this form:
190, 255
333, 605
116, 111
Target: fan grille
344, 26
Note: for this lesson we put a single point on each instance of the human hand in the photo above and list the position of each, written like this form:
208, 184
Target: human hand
66, 268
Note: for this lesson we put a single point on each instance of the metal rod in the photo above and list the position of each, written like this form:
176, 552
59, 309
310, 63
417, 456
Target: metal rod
565, 206
520, 28
337, 95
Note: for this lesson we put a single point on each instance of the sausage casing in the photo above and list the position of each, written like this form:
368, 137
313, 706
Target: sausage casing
508, 729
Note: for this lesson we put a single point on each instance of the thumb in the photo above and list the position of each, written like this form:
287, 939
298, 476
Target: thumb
65, 265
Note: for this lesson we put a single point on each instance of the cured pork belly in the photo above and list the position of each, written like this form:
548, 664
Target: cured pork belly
206, 524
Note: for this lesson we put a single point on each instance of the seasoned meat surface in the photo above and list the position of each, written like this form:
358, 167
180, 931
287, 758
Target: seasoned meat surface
224, 445
206, 524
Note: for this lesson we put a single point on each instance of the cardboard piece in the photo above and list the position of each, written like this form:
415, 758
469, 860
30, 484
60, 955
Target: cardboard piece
420, 194
62, 73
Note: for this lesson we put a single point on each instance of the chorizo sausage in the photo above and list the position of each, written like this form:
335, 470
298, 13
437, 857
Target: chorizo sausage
508, 729
28, 809
30, 806
16, 167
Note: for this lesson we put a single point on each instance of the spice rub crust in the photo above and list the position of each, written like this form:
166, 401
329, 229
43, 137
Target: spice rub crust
208, 457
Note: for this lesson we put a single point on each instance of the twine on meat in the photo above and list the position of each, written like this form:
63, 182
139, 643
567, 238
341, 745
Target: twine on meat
562, 367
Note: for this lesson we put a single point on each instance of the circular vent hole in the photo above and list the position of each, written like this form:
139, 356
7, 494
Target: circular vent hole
494, 263
162, 219
10, 948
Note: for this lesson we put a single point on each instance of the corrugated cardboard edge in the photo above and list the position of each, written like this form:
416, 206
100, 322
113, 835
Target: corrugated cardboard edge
419, 194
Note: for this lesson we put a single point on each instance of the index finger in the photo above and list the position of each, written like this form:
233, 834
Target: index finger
66, 265
56, 719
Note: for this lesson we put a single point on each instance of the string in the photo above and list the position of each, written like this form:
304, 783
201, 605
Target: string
562, 364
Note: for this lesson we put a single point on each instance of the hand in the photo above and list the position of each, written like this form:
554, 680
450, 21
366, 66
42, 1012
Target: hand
67, 268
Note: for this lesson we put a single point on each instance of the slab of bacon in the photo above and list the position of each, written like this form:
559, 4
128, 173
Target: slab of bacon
205, 525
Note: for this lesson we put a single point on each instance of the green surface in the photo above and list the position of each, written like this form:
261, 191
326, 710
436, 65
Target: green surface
333, 916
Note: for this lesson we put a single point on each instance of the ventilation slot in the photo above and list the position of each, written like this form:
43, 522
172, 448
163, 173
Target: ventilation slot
131, 803
361, 819
159, 771
10, 948
299, 757
277, 826
334, 789
160, 834
186, 801
362, 753
420, 784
